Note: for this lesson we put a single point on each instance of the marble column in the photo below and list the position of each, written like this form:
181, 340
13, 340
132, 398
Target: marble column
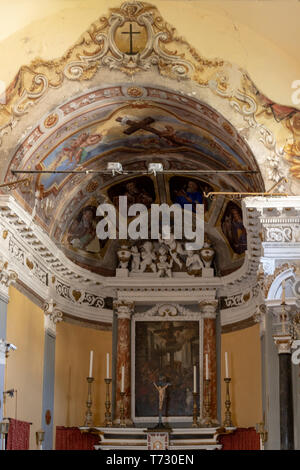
7, 277
124, 310
283, 343
208, 311
3, 314
52, 316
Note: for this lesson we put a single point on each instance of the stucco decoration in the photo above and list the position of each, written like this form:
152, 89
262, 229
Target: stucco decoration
134, 38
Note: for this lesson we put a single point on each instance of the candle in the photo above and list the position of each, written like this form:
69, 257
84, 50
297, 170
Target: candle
107, 365
91, 364
122, 380
226, 366
206, 363
195, 381
283, 292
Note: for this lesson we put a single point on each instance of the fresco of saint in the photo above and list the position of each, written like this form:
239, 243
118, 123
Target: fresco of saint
82, 233
233, 228
138, 191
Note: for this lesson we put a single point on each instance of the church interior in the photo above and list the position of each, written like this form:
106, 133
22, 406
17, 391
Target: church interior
143, 342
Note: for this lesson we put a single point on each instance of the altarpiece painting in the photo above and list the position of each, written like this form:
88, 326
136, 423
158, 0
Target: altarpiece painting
166, 349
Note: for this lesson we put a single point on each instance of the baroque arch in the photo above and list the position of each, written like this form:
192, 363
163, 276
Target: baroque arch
74, 112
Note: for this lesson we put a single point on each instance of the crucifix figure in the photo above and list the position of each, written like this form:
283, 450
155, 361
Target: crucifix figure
131, 33
145, 124
161, 387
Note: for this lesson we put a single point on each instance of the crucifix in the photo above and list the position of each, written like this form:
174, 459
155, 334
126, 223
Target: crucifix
161, 387
131, 33
145, 124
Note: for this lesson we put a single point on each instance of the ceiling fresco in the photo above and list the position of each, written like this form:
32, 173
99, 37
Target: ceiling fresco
180, 133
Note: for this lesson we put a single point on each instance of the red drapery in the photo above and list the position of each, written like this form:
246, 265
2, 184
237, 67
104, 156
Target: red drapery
241, 439
18, 435
73, 439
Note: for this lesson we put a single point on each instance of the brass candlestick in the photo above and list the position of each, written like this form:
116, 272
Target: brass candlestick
108, 420
207, 404
195, 410
88, 414
227, 421
122, 411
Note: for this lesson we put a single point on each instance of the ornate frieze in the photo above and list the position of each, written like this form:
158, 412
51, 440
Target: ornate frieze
168, 312
283, 233
239, 299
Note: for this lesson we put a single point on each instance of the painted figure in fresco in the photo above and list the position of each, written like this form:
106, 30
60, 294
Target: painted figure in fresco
233, 228
135, 195
76, 151
82, 233
189, 194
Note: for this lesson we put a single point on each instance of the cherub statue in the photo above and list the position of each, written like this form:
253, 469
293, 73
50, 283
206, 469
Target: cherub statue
193, 261
136, 259
163, 266
148, 256
174, 247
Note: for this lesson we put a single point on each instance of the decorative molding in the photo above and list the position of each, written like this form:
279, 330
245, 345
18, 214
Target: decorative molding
283, 343
78, 292
168, 312
41, 267
7, 277
124, 309
52, 316
208, 308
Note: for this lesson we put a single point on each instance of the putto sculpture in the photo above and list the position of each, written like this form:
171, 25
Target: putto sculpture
165, 257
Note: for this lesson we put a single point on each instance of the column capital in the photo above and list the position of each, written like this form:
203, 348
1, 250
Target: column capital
123, 308
52, 315
259, 316
208, 308
283, 343
7, 277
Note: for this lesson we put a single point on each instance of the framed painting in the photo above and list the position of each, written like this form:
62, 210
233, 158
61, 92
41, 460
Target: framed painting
165, 350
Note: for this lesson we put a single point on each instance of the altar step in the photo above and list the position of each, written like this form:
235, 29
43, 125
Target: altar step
116, 438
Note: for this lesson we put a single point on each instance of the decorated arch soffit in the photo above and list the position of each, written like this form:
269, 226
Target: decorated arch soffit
73, 113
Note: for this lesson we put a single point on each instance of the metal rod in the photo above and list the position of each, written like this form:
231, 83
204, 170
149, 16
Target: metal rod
13, 183
239, 194
127, 172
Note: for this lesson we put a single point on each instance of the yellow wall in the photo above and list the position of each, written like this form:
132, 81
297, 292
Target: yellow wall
24, 369
262, 37
244, 351
73, 345
24, 372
